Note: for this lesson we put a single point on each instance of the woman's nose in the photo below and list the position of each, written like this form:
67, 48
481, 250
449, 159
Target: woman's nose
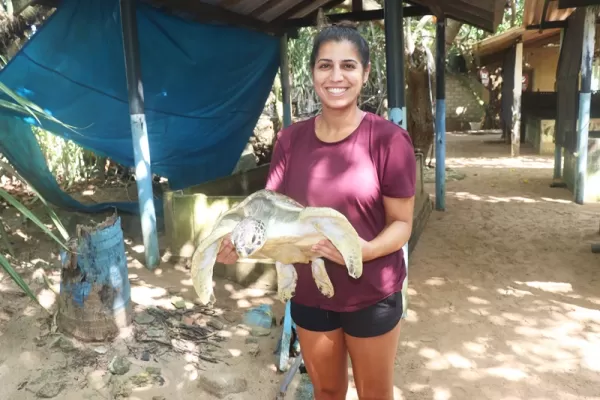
336, 74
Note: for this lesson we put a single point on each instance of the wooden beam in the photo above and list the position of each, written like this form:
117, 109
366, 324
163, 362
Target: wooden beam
515, 141
366, 15
357, 5
577, 3
204, 12
266, 6
312, 6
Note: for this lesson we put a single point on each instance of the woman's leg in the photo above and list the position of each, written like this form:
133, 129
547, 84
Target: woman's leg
372, 337
323, 350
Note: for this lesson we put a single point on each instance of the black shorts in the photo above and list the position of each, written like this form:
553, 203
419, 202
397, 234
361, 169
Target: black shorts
370, 321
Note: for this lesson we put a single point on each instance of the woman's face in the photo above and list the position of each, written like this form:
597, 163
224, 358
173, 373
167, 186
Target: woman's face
338, 75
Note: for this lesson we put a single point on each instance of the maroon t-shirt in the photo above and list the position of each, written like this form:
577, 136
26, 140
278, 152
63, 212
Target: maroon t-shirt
351, 176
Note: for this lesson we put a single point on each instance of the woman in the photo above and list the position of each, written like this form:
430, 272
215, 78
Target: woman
363, 166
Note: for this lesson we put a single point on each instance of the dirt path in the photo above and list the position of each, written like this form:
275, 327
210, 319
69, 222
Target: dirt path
504, 290
504, 299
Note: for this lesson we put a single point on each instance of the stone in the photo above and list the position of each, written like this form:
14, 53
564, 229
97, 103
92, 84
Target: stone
50, 390
119, 365
260, 331
178, 302
222, 384
216, 324
253, 349
144, 318
251, 339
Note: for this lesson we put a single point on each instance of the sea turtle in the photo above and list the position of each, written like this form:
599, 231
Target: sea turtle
270, 225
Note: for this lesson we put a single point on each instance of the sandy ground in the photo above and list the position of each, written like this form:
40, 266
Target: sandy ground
504, 301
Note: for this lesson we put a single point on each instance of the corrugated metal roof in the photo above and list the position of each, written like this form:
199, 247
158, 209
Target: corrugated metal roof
534, 9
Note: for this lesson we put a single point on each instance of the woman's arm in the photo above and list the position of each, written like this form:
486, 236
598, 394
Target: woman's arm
399, 217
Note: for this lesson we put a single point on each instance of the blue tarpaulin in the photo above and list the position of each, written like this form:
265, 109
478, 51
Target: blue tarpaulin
204, 89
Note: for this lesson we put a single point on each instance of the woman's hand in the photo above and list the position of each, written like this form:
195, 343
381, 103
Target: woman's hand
326, 249
227, 254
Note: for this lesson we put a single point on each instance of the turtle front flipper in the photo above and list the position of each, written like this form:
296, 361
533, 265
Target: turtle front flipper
287, 277
336, 227
321, 277
205, 256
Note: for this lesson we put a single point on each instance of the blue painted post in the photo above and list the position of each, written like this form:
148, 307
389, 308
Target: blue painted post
394, 59
440, 115
141, 147
286, 332
585, 98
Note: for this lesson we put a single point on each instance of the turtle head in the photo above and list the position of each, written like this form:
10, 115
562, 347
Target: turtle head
248, 237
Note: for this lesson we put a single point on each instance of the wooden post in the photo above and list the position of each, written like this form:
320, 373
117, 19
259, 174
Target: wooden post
557, 147
141, 147
440, 116
516, 106
585, 99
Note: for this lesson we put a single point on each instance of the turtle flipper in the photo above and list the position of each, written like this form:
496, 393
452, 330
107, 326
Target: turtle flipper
336, 227
205, 256
286, 281
321, 277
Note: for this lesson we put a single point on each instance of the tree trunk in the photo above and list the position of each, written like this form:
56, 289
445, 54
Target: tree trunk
418, 97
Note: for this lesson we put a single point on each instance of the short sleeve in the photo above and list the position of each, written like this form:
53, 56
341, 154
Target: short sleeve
276, 175
397, 165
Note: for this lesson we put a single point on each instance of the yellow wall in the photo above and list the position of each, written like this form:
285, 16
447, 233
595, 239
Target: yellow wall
543, 61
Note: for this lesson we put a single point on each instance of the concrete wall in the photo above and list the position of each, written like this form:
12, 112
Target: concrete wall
464, 102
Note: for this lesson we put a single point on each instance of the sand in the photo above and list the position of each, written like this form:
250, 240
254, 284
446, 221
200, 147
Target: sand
504, 303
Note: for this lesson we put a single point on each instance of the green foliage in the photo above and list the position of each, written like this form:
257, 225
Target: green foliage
68, 162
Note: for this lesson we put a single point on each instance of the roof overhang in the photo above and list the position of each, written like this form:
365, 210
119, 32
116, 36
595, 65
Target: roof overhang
545, 14
278, 16
483, 14
496, 45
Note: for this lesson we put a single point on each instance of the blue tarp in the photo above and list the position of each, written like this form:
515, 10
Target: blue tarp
204, 89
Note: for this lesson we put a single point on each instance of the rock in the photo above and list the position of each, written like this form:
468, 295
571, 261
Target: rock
178, 302
101, 350
144, 318
253, 349
63, 343
216, 324
159, 398
222, 384
251, 339
119, 365
50, 390
155, 332
260, 331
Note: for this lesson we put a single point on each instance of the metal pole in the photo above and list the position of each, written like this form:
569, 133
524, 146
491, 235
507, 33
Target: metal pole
440, 116
285, 82
141, 147
585, 98
394, 58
